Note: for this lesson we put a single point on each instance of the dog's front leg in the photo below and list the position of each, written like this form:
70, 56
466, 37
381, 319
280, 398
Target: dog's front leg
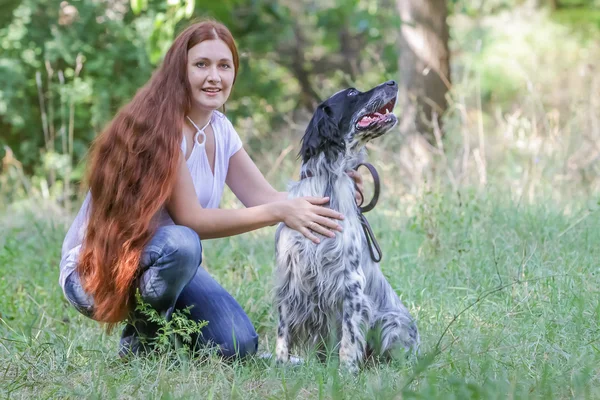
283, 336
353, 342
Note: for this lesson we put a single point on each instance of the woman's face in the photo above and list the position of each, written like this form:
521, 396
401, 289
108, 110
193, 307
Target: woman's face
210, 73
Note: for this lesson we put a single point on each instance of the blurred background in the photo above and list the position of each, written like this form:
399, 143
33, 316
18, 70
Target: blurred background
501, 93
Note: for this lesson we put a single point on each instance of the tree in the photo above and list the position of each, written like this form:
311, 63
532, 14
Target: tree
424, 63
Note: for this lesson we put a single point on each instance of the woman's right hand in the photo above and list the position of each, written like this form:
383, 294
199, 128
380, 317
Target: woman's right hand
308, 216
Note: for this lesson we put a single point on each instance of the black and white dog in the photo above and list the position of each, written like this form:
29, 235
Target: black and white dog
336, 287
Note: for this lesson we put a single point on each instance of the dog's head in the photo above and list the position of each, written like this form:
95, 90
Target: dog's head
348, 120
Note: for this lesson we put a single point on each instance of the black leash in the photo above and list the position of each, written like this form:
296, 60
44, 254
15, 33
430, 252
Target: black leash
374, 249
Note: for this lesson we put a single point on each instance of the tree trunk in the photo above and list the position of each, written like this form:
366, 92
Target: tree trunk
424, 63
552, 4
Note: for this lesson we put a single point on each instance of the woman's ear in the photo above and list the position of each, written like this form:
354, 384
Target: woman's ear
322, 136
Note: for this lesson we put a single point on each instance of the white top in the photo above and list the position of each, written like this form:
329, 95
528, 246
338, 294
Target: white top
209, 187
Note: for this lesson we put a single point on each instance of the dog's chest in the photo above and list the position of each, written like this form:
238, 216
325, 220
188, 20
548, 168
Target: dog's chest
321, 271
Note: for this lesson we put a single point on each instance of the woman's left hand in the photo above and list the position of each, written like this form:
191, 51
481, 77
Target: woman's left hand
357, 178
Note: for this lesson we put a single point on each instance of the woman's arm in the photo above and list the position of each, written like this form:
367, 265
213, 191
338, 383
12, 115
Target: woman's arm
247, 182
250, 186
298, 214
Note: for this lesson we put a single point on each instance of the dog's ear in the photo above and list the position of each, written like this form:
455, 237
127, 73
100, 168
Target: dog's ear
322, 136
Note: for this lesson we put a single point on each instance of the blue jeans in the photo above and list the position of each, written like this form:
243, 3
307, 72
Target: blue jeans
172, 279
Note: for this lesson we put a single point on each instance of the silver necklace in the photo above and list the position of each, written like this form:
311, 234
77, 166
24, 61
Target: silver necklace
199, 131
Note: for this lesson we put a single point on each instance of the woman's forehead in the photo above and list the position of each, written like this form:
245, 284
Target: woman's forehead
214, 49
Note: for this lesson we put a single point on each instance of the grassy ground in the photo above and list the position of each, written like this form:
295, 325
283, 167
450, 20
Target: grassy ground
501, 271
509, 290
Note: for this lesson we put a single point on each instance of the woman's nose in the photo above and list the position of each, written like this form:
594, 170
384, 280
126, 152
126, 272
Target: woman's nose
213, 75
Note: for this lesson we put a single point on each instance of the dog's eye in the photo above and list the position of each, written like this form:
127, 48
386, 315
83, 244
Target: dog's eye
352, 92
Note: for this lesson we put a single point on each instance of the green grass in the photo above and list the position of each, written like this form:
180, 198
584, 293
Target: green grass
504, 278
522, 281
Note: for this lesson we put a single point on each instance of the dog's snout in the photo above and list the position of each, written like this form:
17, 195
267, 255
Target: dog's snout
391, 83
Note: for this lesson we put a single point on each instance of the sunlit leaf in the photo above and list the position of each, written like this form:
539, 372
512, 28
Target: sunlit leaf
136, 6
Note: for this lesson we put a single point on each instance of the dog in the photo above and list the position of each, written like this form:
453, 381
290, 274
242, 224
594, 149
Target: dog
336, 287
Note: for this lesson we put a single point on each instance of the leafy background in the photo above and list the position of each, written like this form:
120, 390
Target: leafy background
490, 230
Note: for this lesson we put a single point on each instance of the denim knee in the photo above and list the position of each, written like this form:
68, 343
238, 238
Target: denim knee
240, 346
170, 261
181, 242
75, 294
179, 245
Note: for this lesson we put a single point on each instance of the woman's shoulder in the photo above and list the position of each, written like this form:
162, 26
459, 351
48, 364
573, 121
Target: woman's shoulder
227, 133
218, 116
222, 122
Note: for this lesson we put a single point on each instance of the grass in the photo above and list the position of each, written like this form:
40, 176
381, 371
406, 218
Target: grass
492, 243
509, 290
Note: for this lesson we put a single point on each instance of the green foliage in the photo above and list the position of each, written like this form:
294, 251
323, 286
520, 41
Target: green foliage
178, 327
474, 8
508, 64
138, 5
580, 19
444, 251
165, 20
109, 45
495, 251
91, 57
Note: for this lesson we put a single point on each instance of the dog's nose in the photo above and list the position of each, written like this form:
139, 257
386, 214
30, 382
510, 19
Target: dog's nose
391, 83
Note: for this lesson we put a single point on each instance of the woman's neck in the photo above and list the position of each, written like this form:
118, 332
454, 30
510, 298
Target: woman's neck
200, 117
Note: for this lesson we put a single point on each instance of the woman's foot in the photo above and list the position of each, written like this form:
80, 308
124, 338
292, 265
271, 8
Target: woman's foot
136, 338
293, 359
130, 344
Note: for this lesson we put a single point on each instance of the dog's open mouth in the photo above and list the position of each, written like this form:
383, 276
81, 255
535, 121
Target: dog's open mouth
381, 116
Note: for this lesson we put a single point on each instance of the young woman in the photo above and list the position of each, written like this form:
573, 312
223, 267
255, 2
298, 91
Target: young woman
156, 176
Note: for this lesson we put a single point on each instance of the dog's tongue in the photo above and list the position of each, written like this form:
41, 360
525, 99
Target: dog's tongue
363, 123
368, 119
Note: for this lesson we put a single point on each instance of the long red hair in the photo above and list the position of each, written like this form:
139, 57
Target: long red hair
131, 172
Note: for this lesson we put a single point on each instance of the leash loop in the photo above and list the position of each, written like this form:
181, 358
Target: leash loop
377, 188
374, 249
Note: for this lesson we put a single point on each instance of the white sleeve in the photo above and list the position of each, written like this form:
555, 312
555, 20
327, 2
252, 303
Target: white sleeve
76, 232
183, 146
234, 143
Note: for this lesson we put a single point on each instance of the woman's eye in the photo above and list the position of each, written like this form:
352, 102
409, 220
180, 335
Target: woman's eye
201, 64
225, 66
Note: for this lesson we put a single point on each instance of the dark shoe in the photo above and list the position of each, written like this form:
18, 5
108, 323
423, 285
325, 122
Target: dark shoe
136, 339
130, 344
138, 335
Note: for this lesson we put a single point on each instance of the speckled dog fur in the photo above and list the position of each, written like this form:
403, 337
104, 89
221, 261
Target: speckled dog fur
334, 287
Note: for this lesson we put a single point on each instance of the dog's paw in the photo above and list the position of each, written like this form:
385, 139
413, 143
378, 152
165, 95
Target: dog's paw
293, 360
350, 368
281, 351
281, 361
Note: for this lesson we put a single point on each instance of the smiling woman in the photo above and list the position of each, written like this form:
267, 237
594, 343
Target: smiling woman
155, 190
211, 73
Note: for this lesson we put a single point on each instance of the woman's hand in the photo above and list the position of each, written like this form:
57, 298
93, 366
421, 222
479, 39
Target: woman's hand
357, 178
308, 216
